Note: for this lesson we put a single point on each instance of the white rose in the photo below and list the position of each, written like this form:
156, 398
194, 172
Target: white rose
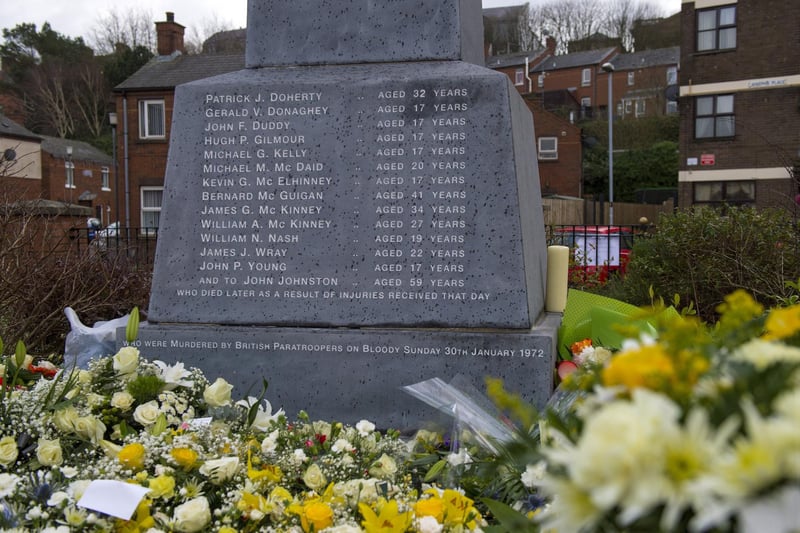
90, 428
384, 468
122, 400
429, 524
147, 413
49, 452
84, 377
218, 394
314, 478
220, 470
95, 400
64, 419
126, 361
193, 515
8, 450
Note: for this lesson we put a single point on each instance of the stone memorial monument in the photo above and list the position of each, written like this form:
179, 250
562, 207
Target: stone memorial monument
356, 211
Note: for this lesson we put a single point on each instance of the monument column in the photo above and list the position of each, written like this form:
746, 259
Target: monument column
356, 211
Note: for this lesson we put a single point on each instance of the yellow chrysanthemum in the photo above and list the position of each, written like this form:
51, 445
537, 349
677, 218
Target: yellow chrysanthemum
253, 502
738, 309
648, 367
132, 456
782, 323
185, 457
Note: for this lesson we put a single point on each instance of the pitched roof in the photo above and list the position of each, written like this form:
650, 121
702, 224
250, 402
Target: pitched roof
510, 60
9, 128
81, 151
167, 72
647, 58
576, 59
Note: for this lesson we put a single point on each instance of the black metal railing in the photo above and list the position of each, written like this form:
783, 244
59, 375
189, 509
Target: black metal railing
137, 244
597, 245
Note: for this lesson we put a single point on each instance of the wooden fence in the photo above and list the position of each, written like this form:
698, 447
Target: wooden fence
569, 211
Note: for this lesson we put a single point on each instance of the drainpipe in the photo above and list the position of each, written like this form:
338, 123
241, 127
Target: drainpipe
125, 157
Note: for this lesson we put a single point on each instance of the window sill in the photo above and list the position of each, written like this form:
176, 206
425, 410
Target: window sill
105, 189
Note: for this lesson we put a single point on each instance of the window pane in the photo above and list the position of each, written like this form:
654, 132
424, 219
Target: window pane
707, 40
547, 143
705, 105
150, 219
151, 198
725, 104
707, 192
672, 76
704, 127
706, 20
741, 191
727, 16
155, 120
727, 38
725, 127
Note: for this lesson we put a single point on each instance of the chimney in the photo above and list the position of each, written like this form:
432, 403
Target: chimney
170, 36
550, 45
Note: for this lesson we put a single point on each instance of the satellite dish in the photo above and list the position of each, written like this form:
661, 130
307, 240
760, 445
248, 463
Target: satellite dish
9, 154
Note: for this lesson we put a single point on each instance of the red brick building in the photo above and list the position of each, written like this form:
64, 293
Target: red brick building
739, 83
144, 104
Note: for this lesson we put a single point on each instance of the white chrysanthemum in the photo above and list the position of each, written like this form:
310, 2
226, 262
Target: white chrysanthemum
762, 353
342, 445
571, 508
756, 461
8, 483
270, 443
429, 524
619, 459
365, 427
788, 405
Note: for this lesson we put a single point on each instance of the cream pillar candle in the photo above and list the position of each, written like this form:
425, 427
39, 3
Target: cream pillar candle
557, 279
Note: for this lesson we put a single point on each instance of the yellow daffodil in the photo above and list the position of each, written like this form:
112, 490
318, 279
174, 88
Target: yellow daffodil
388, 518
265, 473
141, 521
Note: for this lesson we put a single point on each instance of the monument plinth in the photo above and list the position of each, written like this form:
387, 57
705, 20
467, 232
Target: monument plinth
343, 230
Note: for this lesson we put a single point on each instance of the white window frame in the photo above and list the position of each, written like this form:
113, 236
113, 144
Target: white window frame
69, 173
104, 179
672, 76
628, 107
519, 77
147, 230
547, 148
672, 108
540, 81
146, 129
586, 77
631, 77
586, 101
640, 109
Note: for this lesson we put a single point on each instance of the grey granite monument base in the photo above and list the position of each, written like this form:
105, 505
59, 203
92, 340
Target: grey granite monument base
351, 374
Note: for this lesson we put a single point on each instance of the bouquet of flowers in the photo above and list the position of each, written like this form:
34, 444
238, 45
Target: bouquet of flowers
696, 429
204, 461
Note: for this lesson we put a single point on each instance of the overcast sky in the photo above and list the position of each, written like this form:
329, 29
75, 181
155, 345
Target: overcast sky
74, 17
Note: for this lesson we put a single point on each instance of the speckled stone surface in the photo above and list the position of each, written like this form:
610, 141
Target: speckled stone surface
350, 375
288, 32
363, 195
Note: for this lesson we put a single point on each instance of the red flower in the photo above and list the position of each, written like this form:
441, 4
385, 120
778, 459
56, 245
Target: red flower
45, 371
309, 444
321, 438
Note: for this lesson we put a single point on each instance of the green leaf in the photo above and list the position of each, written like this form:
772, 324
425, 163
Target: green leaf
509, 519
2, 346
132, 329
